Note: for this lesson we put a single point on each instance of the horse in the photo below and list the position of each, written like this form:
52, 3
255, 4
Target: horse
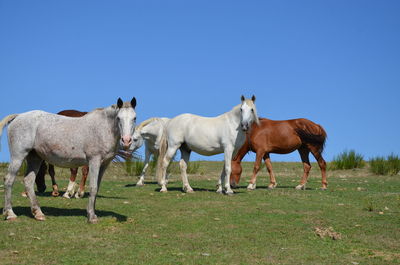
282, 137
101, 133
40, 181
206, 136
148, 132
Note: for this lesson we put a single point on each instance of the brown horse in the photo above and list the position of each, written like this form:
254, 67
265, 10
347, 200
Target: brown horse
40, 182
282, 137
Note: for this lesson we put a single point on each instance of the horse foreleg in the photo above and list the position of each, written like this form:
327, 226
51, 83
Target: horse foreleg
272, 180
52, 173
307, 167
71, 185
225, 178
146, 165
256, 168
94, 170
33, 165
81, 192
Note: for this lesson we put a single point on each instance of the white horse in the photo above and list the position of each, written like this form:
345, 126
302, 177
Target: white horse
148, 132
207, 136
38, 135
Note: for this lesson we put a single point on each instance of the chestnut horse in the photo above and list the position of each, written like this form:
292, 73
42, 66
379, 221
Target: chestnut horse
282, 137
40, 182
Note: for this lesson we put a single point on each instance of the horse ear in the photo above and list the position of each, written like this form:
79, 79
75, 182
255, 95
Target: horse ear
253, 98
242, 98
120, 103
133, 102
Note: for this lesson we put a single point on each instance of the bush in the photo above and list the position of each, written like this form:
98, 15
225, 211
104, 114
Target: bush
389, 166
193, 167
348, 160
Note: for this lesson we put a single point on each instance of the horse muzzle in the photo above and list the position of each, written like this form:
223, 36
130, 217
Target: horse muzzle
126, 141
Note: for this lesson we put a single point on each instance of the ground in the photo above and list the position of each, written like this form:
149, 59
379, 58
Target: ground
356, 221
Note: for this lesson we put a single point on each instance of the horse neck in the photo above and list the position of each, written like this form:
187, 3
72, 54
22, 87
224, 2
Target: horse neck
106, 119
234, 117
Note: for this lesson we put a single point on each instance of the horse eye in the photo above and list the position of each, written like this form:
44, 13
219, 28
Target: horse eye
252, 110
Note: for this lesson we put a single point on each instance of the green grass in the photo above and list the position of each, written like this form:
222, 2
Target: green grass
385, 166
139, 225
347, 160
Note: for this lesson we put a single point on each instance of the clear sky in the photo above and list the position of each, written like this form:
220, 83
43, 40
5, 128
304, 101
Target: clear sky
334, 62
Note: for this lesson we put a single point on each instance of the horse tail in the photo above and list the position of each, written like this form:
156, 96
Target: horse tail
5, 122
312, 133
144, 123
161, 155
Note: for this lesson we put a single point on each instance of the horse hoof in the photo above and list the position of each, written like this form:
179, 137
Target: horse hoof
271, 186
93, 221
324, 188
66, 195
220, 191
251, 186
139, 184
300, 187
229, 192
24, 194
40, 218
164, 190
11, 218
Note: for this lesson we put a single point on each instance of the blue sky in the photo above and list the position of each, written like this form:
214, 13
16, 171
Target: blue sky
334, 62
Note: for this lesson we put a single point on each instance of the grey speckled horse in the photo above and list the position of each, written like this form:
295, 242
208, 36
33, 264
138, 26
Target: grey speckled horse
38, 135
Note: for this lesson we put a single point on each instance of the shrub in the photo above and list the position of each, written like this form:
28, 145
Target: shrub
389, 166
193, 167
348, 160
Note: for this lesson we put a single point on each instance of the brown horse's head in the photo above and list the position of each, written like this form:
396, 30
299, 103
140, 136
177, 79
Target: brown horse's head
235, 173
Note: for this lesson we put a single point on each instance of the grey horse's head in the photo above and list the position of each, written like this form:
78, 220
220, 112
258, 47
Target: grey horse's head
126, 120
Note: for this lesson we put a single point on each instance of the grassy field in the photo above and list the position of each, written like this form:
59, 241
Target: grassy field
357, 221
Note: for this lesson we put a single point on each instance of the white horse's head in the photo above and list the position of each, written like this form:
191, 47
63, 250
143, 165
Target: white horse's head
126, 119
137, 140
248, 113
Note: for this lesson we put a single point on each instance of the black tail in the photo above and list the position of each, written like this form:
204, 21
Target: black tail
314, 135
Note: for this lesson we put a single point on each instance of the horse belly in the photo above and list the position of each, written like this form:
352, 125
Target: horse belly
206, 150
61, 156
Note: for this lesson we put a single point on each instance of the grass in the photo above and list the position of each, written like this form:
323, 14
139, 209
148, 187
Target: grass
347, 160
385, 166
139, 225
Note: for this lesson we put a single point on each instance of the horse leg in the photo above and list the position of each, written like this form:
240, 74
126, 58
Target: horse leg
94, 170
167, 159
252, 184
272, 180
81, 191
185, 156
39, 180
146, 165
9, 180
221, 180
52, 173
71, 185
228, 152
307, 167
322, 165
33, 165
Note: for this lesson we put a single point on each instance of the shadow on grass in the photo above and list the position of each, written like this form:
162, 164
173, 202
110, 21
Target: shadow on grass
48, 194
134, 184
266, 188
195, 190
53, 211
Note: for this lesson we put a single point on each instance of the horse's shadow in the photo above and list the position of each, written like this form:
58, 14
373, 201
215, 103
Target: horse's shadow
134, 184
48, 194
194, 189
266, 187
58, 212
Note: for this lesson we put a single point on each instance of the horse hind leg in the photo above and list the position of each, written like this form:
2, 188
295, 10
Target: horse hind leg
81, 191
52, 173
40, 178
183, 163
322, 165
306, 166
272, 180
9, 180
34, 163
